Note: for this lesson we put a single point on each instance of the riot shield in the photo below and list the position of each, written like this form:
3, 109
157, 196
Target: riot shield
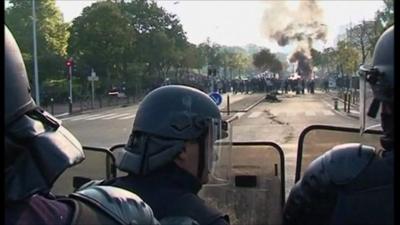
255, 193
317, 139
119, 173
99, 164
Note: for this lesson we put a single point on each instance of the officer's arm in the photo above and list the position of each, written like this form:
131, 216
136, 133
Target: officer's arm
224, 220
121, 205
309, 197
313, 198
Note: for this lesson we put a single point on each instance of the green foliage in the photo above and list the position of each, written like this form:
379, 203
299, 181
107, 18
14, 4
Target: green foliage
161, 40
385, 17
52, 35
139, 43
58, 89
347, 57
363, 37
265, 60
101, 38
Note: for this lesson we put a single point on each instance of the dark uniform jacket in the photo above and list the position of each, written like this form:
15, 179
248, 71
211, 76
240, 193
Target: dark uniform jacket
97, 205
38, 210
350, 184
171, 192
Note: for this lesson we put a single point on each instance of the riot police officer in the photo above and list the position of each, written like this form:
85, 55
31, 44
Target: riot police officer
353, 183
37, 150
170, 153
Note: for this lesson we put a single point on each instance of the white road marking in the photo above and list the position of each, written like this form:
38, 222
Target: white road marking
127, 117
354, 111
240, 114
99, 117
84, 117
62, 114
255, 114
310, 113
328, 113
73, 117
116, 116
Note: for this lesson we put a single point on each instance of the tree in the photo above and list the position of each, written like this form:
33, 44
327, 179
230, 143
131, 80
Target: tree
101, 38
383, 20
347, 57
276, 66
386, 16
363, 37
321, 59
161, 40
52, 36
240, 61
191, 57
263, 59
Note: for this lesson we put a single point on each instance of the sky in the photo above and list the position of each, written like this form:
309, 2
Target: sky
237, 23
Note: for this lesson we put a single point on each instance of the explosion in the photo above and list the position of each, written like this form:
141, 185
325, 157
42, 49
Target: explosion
302, 26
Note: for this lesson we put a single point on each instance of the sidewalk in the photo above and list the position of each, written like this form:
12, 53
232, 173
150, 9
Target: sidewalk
60, 110
239, 103
354, 108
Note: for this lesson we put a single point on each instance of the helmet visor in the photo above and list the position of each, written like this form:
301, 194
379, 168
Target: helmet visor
218, 149
369, 107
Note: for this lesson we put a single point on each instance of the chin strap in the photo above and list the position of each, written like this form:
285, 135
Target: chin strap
202, 150
374, 108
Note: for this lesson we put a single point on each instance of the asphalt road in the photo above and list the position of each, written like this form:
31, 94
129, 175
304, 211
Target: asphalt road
282, 122
279, 122
252, 119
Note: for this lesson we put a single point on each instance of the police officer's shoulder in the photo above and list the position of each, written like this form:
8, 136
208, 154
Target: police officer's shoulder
89, 184
196, 208
123, 206
181, 220
345, 162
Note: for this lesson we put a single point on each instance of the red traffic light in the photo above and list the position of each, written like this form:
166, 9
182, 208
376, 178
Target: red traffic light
69, 63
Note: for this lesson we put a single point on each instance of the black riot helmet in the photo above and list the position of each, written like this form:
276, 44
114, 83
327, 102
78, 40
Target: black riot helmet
376, 87
16, 81
37, 148
380, 75
377, 80
166, 118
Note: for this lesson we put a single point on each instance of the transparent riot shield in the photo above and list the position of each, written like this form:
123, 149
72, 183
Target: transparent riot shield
255, 192
99, 164
317, 139
119, 173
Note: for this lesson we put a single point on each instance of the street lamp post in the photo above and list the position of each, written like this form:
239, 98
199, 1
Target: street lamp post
37, 96
92, 79
70, 89
69, 64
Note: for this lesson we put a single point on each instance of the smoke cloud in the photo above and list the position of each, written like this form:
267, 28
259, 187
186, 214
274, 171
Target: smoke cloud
303, 63
301, 26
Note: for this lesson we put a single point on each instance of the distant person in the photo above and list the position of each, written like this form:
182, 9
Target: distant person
353, 183
312, 85
169, 154
286, 84
326, 86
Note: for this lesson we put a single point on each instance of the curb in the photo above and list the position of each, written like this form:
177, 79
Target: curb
234, 117
67, 114
350, 114
340, 99
355, 115
62, 115
253, 105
